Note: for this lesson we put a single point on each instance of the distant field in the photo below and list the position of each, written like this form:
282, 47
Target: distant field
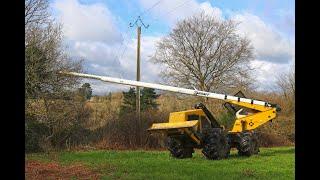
271, 163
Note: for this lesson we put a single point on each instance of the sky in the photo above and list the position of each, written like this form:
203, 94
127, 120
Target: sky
98, 32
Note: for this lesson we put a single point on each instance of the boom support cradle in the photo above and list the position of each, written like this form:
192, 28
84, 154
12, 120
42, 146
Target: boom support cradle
255, 120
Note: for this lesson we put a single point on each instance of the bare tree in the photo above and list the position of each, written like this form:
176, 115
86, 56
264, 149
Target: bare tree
205, 53
286, 84
36, 12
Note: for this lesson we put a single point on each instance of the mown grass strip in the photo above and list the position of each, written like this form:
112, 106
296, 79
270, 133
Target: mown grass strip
271, 163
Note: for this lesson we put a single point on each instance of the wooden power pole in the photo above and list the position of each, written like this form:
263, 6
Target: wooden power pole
138, 102
138, 73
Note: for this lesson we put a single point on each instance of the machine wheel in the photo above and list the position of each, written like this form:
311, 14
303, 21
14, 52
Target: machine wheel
248, 144
216, 145
177, 149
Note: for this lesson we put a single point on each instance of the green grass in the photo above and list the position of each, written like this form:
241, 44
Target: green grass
271, 163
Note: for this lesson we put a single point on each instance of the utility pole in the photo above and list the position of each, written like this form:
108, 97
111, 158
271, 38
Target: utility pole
138, 72
138, 60
138, 102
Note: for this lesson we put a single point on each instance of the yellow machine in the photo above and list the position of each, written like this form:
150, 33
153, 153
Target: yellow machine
197, 128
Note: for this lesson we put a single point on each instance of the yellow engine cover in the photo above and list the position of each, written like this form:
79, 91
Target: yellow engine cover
175, 125
179, 120
182, 116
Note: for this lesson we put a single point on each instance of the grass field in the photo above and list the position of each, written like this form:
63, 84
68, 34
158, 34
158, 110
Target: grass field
271, 163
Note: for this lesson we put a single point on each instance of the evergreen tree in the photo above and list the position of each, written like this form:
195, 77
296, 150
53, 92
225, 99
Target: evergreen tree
148, 100
86, 90
129, 101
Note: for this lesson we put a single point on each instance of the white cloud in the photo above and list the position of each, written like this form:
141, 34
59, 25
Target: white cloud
266, 73
269, 45
214, 11
93, 22
97, 52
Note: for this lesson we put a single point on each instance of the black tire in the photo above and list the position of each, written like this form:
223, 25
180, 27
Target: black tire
216, 145
177, 148
248, 144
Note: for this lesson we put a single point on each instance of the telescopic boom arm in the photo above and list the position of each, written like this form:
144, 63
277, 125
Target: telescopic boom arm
171, 88
264, 111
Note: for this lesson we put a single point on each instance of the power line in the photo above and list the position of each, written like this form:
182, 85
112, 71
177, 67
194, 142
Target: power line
124, 50
182, 4
154, 5
123, 36
173, 9
122, 42
119, 53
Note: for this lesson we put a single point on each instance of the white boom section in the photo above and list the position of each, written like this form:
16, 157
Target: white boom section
168, 88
